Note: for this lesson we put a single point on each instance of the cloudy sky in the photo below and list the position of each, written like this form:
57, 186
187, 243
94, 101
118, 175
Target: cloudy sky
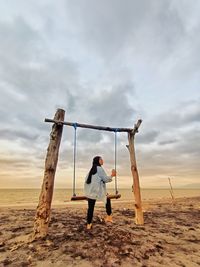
106, 63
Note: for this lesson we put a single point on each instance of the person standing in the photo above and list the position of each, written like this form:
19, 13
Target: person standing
95, 189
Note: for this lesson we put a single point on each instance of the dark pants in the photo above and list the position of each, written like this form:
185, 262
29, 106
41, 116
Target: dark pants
91, 204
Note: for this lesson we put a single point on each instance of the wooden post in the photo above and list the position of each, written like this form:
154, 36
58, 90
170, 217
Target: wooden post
171, 191
136, 185
43, 211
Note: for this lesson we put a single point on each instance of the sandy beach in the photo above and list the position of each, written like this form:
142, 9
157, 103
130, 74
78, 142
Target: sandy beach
169, 237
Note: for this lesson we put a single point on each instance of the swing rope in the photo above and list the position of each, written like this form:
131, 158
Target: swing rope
74, 167
74, 176
115, 148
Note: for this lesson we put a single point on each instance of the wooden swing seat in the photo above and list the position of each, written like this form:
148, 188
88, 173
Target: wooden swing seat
78, 198
111, 196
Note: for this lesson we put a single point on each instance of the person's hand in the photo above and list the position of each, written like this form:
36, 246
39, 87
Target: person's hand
113, 173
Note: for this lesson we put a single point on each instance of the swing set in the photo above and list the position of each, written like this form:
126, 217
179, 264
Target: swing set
43, 211
110, 196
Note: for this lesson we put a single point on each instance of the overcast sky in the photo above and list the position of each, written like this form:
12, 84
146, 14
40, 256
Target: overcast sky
107, 62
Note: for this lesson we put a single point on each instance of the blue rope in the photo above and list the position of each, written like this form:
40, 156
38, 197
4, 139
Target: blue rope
74, 177
116, 190
75, 145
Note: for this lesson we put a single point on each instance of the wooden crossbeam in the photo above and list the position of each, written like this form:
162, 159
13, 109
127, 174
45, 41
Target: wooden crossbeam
95, 127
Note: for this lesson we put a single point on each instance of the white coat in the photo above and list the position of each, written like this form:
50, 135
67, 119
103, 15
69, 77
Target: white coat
97, 188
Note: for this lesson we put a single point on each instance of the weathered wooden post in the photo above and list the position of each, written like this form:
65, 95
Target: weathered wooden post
136, 184
171, 191
43, 211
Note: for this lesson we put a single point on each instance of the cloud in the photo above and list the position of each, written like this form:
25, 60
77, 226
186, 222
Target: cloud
168, 142
175, 151
183, 114
148, 137
33, 83
106, 63
112, 28
112, 107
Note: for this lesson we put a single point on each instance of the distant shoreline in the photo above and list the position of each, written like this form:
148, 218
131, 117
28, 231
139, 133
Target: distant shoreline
142, 188
115, 202
62, 197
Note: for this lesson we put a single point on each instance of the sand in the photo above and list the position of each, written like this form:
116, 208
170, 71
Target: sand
169, 237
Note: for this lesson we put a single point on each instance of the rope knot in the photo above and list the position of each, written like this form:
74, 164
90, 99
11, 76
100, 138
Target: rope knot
75, 125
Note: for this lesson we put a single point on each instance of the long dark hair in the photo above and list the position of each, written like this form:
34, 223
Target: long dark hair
93, 170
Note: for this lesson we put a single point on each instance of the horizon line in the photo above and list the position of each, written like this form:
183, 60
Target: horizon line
123, 188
